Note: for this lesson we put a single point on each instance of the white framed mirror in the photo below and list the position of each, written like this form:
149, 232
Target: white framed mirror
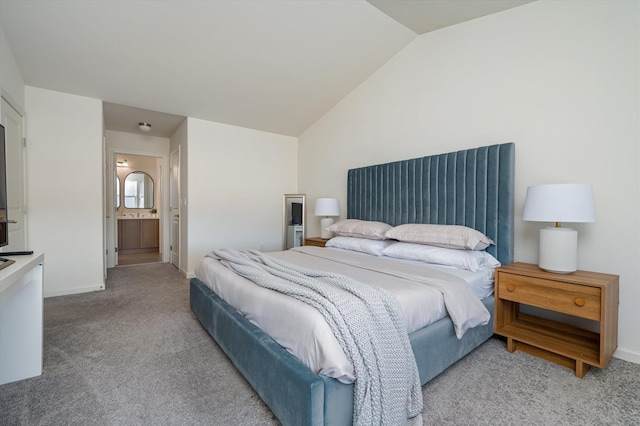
293, 220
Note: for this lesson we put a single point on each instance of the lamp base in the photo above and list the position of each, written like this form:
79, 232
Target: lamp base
558, 250
324, 224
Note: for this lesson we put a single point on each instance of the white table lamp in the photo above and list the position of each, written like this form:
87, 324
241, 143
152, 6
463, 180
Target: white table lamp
326, 207
559, 203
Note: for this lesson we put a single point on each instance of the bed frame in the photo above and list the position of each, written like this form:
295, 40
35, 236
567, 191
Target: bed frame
472, 187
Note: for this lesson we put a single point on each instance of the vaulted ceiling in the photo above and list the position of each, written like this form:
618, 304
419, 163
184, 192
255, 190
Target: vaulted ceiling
272, 65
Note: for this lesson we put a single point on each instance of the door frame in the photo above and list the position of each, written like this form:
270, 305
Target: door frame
174, 211
112, 214
22, 220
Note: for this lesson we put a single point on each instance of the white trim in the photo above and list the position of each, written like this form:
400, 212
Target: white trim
172, 154
189, 275
76, 290
8, 99
627, 355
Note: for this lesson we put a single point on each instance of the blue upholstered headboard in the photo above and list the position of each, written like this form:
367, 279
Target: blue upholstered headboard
473, 187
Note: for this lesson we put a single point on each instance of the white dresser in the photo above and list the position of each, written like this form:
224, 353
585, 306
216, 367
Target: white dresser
294, 236
21, 321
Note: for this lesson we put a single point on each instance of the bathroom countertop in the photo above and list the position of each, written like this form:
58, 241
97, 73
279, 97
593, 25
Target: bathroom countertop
136, 217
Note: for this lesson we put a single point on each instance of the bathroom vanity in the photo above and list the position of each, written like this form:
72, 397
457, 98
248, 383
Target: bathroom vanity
138, 235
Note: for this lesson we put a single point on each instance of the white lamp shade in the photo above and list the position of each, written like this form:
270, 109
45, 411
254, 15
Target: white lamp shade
327, 207
560, 203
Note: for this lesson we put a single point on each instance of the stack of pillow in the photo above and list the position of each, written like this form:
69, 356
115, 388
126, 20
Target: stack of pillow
450, 245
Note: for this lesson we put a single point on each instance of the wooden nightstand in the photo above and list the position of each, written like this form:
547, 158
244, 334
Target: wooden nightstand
589, 295
315, 241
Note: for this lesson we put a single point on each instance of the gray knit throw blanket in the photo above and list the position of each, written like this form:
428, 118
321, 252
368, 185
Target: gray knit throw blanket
367, 322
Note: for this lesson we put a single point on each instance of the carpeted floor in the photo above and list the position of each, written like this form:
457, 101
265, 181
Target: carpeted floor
139, 258
134, 355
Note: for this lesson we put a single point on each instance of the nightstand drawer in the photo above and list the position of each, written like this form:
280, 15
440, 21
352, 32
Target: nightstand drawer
579, 300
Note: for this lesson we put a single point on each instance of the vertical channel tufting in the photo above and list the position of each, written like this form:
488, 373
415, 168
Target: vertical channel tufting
385, 194
404, 190
433, 190
493, 163
367, 186
440, 186
472, 187
505, 202
411, 191
480, 222
426, 184
470, 178
396, 212
419, 201
461, 193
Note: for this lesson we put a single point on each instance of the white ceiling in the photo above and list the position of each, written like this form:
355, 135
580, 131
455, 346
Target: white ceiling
272, 65
126, 118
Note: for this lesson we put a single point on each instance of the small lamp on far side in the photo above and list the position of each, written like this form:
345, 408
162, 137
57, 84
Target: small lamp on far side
559, 203
326, 207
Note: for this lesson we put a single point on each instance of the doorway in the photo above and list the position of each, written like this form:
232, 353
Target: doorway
138, 194
155, 165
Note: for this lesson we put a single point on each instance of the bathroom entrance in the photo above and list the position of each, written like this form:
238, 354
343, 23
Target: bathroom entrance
138, 192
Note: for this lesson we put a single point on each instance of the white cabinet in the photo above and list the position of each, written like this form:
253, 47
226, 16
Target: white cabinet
21, 318
294, 236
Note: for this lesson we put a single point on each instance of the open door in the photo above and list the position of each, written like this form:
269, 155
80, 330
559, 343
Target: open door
174, 207
16, 188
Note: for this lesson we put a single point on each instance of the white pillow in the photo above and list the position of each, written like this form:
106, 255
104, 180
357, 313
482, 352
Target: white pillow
360, 229
471, 260
364, 245
450, 236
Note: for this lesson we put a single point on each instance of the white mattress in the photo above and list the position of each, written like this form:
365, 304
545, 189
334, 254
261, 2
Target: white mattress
309, 337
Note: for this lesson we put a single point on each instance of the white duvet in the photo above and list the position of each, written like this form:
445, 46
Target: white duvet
302, 330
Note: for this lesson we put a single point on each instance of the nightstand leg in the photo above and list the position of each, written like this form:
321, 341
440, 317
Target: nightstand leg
511, 344
581, 369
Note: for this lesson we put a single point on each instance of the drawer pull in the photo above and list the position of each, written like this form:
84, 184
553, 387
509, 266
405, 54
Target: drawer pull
579, 301
511, 287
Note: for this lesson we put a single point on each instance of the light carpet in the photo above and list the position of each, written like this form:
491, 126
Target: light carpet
135, 355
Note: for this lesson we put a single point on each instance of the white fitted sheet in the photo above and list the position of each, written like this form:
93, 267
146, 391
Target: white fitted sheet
308, 337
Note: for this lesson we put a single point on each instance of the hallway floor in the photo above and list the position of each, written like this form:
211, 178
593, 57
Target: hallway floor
136, 259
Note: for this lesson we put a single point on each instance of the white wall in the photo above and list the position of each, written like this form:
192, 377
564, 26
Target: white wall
64, 178
560, 79
138, 144
237, 178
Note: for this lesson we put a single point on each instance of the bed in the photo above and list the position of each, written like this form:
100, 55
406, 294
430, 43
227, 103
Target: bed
472, 187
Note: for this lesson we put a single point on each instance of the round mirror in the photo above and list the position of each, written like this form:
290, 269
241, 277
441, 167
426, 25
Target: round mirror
138, 191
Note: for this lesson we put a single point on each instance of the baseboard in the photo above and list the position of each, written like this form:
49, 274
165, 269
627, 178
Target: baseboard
190, 275
627, 355
77, 290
